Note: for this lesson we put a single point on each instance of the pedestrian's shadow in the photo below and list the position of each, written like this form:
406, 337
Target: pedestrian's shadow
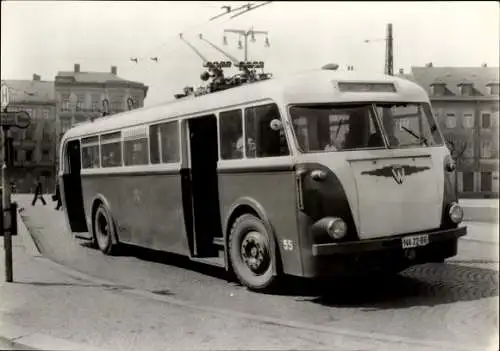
423, 285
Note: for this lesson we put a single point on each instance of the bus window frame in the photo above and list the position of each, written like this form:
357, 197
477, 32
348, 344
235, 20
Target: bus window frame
94, 143
372, 110
423, 104
282, 117
111, 141
219, 142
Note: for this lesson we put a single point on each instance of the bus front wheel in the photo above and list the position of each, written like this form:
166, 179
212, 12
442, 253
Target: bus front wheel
104, 230
250, 253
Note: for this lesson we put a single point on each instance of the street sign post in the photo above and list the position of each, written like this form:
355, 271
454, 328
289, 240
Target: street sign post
18, 119
12, 119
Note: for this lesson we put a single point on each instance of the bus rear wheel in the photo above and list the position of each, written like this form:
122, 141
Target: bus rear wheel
104, 230
250, 253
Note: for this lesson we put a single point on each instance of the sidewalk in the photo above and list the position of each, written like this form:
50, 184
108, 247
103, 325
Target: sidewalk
480, 210
50, 307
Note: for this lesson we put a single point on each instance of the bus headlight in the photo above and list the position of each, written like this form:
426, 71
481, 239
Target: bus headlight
456, 213
336, 228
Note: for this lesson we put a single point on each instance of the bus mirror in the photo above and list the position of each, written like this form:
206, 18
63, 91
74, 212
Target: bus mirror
276, 125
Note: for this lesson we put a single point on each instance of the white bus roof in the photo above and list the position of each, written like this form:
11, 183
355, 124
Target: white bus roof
309, 87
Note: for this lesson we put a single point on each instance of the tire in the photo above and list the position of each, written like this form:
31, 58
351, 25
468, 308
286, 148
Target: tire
250, 253
104, 230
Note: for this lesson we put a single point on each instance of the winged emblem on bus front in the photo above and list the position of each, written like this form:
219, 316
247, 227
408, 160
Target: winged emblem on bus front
398, 172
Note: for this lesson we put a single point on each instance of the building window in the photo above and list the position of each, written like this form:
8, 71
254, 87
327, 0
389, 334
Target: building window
485, 120
493, 88
29, 155
45, 114
231, 134
65, 106
117, 104
79, 105
468, 120
451, 120
45, 155
65, 125
468, 181
261, 140
466, 89
486, 148
438, 89
486, 181
111, 150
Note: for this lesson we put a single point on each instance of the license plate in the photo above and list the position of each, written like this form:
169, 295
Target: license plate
415, 241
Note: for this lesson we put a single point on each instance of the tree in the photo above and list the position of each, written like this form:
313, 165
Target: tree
457, 144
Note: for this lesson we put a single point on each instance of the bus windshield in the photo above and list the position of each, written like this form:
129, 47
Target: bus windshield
320, 128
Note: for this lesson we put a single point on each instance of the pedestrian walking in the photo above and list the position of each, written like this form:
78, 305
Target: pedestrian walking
57, 197
38, 193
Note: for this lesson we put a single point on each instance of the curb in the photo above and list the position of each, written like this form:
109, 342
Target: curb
28, 242
40, 340
22, 340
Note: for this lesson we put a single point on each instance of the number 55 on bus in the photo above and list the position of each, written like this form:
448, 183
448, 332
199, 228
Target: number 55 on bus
321, 174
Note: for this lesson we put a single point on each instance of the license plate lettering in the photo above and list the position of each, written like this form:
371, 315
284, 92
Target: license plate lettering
415, 241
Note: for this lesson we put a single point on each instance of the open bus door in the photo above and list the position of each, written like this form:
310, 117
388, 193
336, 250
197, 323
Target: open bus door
203, 210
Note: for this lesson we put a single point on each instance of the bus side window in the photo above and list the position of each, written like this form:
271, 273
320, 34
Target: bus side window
169, 142
154, 144
262, 141
90, 152
231, 135
111, 150
135, 146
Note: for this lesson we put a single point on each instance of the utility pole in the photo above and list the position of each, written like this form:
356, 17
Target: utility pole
389, 59
251, 32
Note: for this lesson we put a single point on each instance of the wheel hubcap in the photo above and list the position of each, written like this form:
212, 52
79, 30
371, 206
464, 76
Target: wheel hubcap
102, 229
255, 253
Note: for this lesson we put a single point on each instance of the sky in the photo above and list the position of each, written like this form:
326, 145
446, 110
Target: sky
45, 37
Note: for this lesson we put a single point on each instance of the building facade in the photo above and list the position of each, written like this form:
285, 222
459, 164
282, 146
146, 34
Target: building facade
465, 101
55, 106
34, 147
82, 96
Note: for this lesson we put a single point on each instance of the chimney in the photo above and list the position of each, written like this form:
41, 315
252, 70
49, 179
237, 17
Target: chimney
401, 71
77, 67
428, 64
484, 65
36, 77
114, 70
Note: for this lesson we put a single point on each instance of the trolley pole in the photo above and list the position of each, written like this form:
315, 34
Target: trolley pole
7, 239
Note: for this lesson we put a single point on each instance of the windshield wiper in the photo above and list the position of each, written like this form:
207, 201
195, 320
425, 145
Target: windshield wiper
420, 138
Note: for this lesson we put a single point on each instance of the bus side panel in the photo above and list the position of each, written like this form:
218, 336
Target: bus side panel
275, 192
147, 208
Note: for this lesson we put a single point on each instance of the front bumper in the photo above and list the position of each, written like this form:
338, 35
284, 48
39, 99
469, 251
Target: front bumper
382, 244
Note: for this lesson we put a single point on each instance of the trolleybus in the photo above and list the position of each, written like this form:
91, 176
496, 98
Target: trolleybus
319, 174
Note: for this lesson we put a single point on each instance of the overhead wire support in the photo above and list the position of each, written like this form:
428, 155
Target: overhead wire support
250, 7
